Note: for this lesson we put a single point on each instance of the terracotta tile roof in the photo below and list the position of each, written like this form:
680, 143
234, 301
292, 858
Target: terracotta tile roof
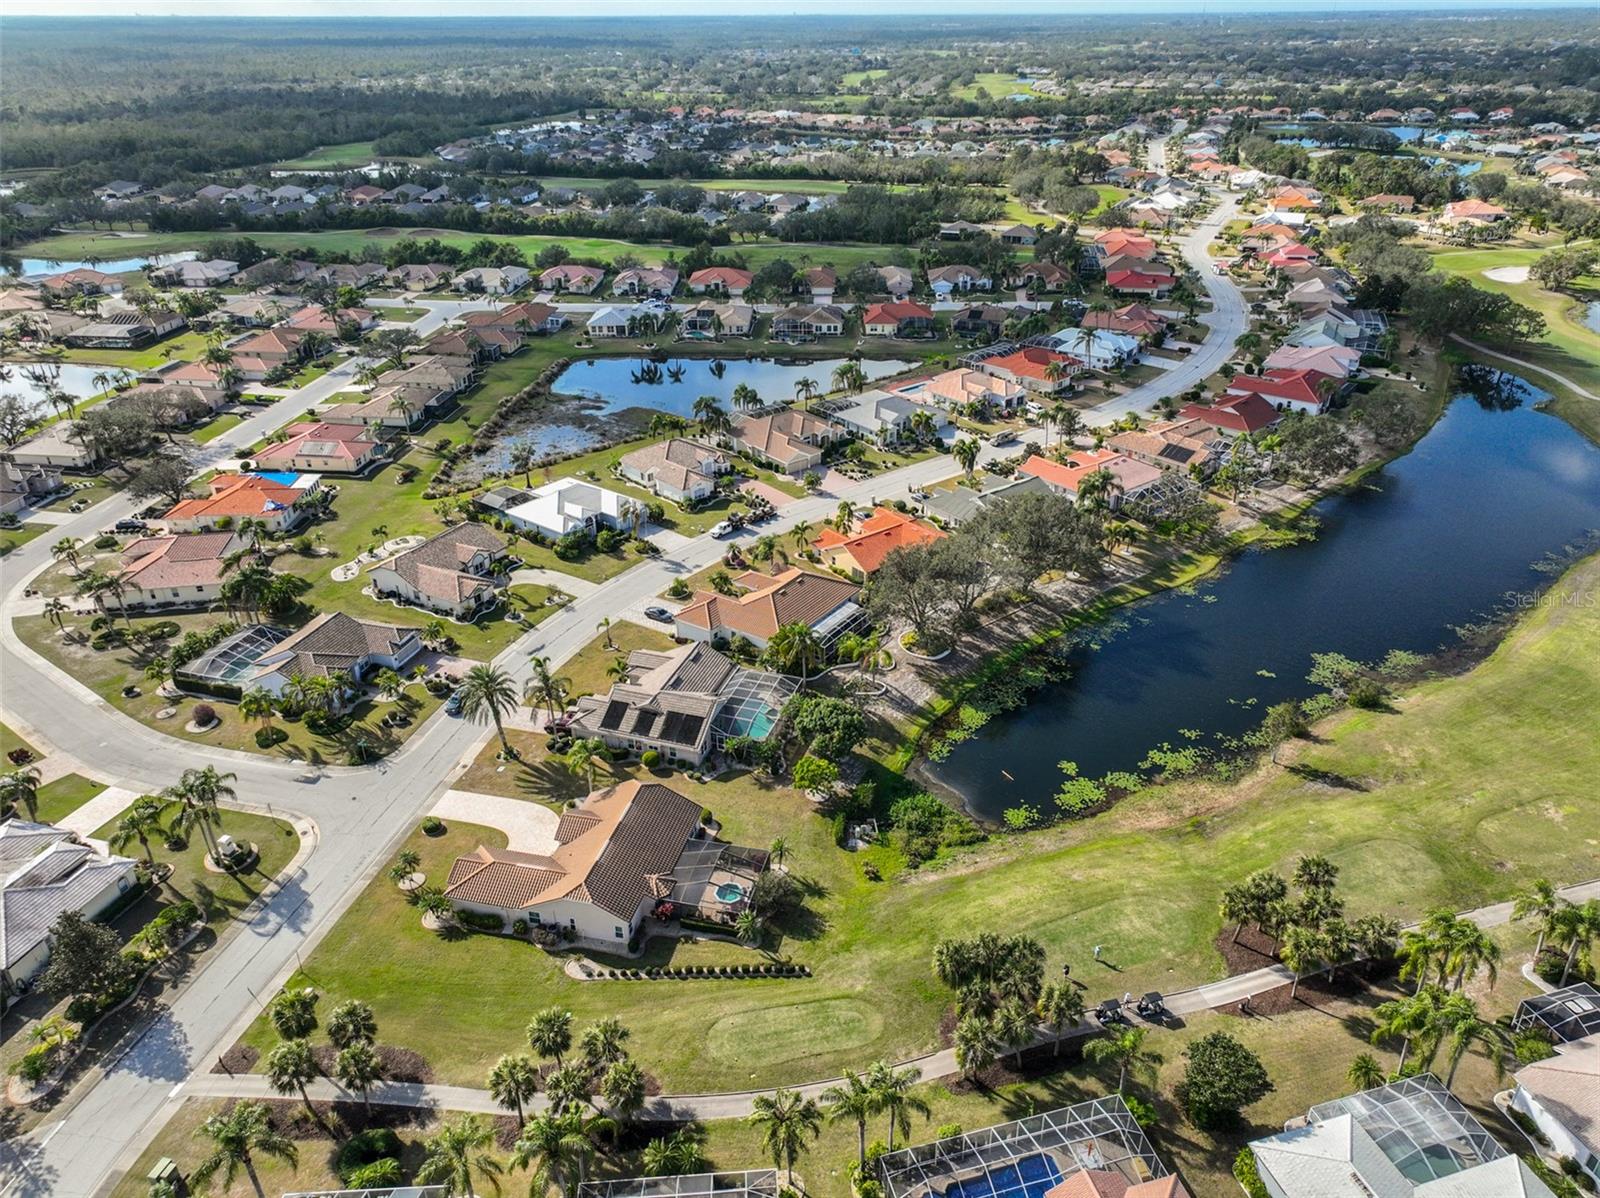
1033, 361
794, 596
615, 846
237, 495
1237, 413
896, 312
188, 559
319, 439
782, 435
508, 318
1138, 280
1131, 475
876, 537
725, 276
1299, 385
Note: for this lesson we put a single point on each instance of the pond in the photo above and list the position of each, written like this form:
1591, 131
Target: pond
1438, 539
617, 382
76, 381
1591, 316
36, 267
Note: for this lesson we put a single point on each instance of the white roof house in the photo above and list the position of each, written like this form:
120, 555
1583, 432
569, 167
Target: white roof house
570, 505
1102, 351
1561, 1094
614, 321
46, 871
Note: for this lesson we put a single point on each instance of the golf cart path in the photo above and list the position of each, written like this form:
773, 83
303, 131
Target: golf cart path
1522, 364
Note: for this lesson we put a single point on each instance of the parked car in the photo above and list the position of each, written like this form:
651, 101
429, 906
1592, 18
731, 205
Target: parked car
453, 704
130, 526
1004, 437
659, 614
725, 528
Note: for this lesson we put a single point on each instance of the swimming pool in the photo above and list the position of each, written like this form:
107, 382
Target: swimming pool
1026, 1177
730, 892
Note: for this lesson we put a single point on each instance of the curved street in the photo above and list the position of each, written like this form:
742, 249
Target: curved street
352, 818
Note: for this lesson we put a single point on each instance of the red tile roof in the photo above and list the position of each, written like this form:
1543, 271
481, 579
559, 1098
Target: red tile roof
1300, 385
894, 313
1237, 413
1032, 361
876, 537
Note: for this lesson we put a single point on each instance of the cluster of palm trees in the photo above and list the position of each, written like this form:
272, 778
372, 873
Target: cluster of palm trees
1431, 1020
882, 1090
192, 804
1309, 931
1002, 999
292, 1064
1573, 926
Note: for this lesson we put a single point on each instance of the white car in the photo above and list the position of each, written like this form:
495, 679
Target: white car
723, 529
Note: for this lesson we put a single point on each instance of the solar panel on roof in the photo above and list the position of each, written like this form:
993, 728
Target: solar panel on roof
690, 732
644, 720
670, 726
612, 719
1175, 453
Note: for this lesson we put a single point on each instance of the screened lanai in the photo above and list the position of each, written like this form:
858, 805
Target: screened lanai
1419, 1125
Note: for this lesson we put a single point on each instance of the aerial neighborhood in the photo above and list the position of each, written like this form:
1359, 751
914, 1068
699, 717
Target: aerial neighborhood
800, 606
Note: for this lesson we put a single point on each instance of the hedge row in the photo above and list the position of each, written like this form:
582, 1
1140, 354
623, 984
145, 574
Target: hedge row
702, 973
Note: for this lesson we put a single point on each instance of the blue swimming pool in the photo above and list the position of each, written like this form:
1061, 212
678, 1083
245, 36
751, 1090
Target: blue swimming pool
1026, 1177
284, 478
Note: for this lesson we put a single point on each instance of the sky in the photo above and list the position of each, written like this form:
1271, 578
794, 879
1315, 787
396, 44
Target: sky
623, 8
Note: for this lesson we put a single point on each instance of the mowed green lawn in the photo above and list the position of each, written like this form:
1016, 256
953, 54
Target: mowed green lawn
1471, 787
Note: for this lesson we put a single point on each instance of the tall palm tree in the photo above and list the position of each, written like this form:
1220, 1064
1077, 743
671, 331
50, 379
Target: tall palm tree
20, 788
965, 452
786, 1121
545, 688
555, 1148
139, 822
1469, 949
602, 1043
1059, 1007
514, 1081
291, 1067
488, 693
584, 756
848, 376
258, 703
1538, 900
1414, 1019
358, 1068
805, 390
1067, 421
795, 647
238, 1136
1126, 1050
197, 797
66, 550
1463, 1028
623, 1088
550, 1033
605, 627
1016, 1027
800, 533
976, 1044
893, 1089
55, 610
457, 1154
713, 417
352, 1022
1577, 928
852, 1101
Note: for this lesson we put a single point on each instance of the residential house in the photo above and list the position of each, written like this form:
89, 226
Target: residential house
1298, 390
570, 505
1114, 243
473, 347
718, 320
720, 280
1332, 328
217, 272
320, 447
45, 872
1561, 1095
964, 386
828, 605
1409, 1139
1472, 212
959, 230
632, 320
678, 469
124, 330
860, 550
807, 322
1132, 477
1034, 368
421, 276
1384, 202
235, 497
1127, 281
82, 281
788, 439
657, 281
174, 404
897, 280
259, 354
494, 280
685, 703
359, 275
1042, 276
63, 445
523, 318
1019, 234
1169, 445
956, 506
330, 645
1098, 349
245, 312
573, 277
986, 321
885, 417
1132, 320
1234, 415
945, 280
818, 282
24, 487
162, 571
898, 319
1336, 361
276, 273
456, 573
614, 857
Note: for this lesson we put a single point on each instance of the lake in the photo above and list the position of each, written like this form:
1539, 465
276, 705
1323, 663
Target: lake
1591, 316
614, 380
1438, 539
36, 267
74, 380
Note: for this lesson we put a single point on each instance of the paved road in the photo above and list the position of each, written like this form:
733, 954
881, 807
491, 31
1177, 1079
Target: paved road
353, 818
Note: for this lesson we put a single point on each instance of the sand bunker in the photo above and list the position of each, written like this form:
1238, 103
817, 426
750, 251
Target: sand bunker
1507, 274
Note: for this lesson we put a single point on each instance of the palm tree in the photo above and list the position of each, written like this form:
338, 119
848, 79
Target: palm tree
848, 376
965, 452
556, 1149
358, 1068
513, 1082
1364, 1073
1413, 1018
795, 647
1067, 421
138, 823
237, 1136
352, 1022
55, 610
545, 688
844, 516
197, 796
1059, 1007
602, 1043
779, 849
1538, 900
605, 627
1578, 927
291, 1067
257, 704
1463, 1028
405, 864
1126, 1050
550, 1033
712, 416
800, 533
457, 1154
787, 1121
1302, 951
584, 755
623, 1088
679, 1153
895, 1096
1470, 949
976, 1045
488, 693
805, 390
20, 788
1014, 1025
97, 583
66, 550
853, 1101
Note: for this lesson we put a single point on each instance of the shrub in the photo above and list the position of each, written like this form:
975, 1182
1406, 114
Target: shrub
946, 1130
106, 542
483, 921
163, 630
432, 825
1244, 1172
1366, 694
266, 738
364, 1147
204, 715
519, 927
678, 590
650, 758
34, 1064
